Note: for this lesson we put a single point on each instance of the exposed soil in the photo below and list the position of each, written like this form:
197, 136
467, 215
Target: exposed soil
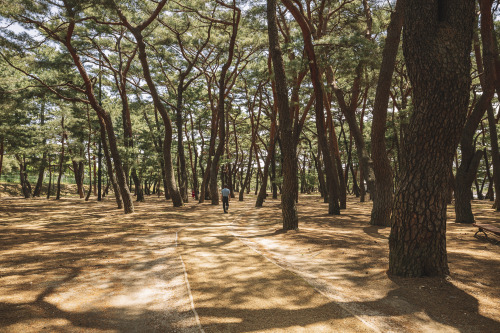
76, 266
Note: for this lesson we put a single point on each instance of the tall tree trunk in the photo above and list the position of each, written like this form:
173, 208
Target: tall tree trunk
382, 200
495, 156
466, 172
270, 152
167, 139
50, 179
221, 107
436, 43
128, 205
329, 160
288, 152
43, 162
179, 121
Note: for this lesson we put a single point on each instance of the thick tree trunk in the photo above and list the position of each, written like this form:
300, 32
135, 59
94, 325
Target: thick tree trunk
436, 42
382, 200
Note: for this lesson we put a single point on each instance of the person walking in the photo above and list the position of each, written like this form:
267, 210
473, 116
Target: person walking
225, 198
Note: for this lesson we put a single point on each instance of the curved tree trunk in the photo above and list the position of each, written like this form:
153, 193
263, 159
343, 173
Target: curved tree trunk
382, 200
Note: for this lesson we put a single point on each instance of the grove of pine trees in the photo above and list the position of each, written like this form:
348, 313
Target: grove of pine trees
391, 101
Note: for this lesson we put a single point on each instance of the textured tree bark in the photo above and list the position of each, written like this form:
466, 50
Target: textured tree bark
382, 200
436, 43
289, 155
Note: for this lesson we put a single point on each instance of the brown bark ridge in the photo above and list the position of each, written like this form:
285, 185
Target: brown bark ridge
466, 172
382, 200
289, 166
436, 43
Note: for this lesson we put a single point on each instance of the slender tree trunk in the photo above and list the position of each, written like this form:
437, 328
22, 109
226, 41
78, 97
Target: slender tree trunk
495, 156
50, 179
61, 161
221, 107
329, 160
179, 121
167, 140
382, 200
2, 151
109, 165
436, 43
466, 172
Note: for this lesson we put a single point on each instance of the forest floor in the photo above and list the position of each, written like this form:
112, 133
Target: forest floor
76, 266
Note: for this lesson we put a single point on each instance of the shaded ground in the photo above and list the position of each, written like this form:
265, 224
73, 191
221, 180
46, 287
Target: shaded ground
75, 266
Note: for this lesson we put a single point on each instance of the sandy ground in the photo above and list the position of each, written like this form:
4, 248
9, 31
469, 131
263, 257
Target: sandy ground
75, 266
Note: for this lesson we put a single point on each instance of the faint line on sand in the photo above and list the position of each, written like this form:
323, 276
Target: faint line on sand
191, 299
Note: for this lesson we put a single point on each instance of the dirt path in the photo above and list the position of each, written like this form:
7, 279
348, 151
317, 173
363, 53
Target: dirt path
236, 289
75, 266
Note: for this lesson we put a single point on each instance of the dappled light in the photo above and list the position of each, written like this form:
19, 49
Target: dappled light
67, 266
